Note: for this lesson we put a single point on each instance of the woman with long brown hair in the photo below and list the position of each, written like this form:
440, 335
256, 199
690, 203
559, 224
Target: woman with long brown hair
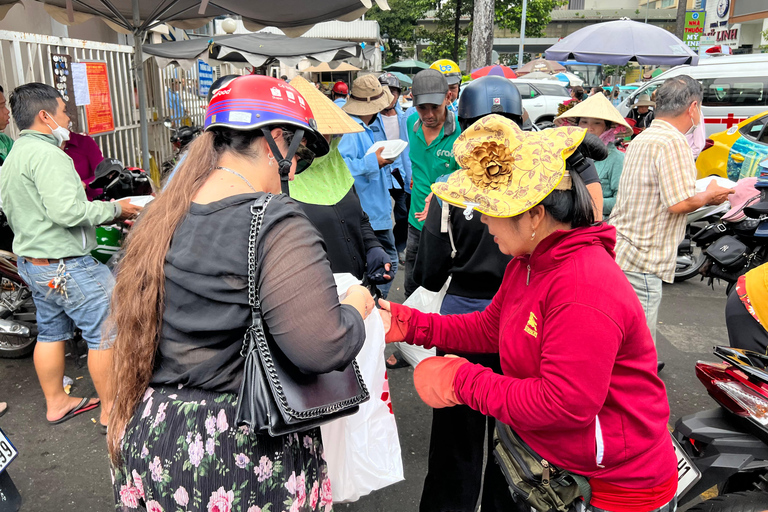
181, 309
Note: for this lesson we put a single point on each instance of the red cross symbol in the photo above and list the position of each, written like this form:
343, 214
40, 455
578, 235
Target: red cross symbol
730, 121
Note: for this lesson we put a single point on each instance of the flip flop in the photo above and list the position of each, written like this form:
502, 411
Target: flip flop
79, 409
3, 408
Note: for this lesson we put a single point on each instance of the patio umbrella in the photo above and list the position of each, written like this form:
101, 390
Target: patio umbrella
497, 70
254, 49
410, 67
137, 17
622, 41
543, 65
404, 79
569, 78
540, 75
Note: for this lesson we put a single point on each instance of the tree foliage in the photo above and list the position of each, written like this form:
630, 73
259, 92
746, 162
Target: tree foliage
400, 24
508, 14
538, 14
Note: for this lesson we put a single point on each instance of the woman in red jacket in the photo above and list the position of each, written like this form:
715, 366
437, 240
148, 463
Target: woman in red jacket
579, 383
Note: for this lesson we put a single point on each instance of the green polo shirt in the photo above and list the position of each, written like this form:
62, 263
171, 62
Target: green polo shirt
6, 143
429, 162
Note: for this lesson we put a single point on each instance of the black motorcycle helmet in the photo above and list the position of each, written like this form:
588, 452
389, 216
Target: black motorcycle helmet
490, 95
185, 135
390, 80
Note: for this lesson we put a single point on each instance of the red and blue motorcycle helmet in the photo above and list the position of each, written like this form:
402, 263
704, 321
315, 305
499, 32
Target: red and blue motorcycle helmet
257, 102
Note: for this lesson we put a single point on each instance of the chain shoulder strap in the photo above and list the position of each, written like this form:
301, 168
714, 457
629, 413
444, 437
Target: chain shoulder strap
257, 212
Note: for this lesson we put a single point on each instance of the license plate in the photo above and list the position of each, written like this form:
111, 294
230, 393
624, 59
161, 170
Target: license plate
7, 451
687, 473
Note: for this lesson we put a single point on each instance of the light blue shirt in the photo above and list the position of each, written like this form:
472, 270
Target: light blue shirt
174, 104
403, 161
371, 182
340, 102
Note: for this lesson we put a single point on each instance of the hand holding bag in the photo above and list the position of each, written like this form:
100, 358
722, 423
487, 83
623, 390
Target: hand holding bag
276, 397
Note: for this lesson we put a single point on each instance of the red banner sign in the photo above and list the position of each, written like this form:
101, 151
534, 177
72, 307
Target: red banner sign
98, 114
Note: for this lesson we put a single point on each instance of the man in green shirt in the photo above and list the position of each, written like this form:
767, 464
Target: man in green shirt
431, 133
53, 223
5, 116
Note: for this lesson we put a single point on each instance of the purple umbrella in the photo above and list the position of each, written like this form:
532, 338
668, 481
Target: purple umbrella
621, 41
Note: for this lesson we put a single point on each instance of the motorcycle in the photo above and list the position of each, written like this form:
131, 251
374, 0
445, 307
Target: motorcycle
736, 247
18, 327
180, 138
727, 447
690, 255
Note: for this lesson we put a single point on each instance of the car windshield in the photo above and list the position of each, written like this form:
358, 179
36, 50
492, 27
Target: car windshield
552, 90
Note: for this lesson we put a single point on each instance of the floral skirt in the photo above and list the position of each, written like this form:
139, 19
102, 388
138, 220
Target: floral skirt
183, 452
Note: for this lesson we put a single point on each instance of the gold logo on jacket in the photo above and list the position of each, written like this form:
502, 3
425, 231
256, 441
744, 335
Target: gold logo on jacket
530, 327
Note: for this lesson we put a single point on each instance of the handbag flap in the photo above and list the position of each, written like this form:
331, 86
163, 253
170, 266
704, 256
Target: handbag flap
312, 395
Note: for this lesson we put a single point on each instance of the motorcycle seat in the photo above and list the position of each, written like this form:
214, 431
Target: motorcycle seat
756, 210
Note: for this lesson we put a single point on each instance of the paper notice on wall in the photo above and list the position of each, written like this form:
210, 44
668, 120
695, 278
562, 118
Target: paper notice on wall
80, 83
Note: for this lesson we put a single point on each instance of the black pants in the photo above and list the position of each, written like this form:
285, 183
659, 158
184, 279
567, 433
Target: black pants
743, 330
457, 446
402, 201
411, 250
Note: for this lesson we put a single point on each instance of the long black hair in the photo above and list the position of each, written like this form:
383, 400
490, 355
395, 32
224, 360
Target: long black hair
574, 206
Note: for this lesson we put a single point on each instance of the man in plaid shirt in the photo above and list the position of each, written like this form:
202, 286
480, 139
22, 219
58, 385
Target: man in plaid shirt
657, 191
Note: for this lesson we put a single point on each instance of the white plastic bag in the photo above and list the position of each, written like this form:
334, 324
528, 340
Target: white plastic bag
363, 450
426, 302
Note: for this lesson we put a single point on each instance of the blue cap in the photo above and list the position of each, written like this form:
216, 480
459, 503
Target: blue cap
762, 229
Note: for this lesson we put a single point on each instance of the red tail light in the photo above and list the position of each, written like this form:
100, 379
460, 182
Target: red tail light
732, 389
708, 144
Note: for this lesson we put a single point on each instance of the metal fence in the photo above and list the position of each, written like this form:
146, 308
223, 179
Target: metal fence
27, 58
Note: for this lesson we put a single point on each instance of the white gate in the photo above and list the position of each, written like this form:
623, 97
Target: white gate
26, 58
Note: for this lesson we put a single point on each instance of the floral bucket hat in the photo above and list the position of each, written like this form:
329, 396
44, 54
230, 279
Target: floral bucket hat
506, 171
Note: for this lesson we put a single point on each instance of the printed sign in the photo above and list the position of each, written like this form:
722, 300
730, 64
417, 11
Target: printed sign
98, 114
694, 28
205, 77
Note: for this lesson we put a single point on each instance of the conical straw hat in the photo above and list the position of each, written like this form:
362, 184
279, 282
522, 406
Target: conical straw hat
598, 107
331, 120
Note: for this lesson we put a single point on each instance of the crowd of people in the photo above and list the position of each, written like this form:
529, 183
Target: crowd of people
559, 267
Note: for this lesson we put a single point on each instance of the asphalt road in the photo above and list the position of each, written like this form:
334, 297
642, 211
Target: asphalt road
65, 467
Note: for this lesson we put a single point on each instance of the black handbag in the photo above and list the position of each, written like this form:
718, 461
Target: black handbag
276, 397
729, 252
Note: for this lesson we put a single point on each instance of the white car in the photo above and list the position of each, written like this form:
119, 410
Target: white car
541, 98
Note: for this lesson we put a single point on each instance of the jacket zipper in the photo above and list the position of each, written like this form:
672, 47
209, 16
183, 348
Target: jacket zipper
528, 279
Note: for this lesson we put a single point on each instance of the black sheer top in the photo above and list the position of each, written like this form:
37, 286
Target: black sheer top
206, 296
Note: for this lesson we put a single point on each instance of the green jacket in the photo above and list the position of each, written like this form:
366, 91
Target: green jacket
609, 171
45, 202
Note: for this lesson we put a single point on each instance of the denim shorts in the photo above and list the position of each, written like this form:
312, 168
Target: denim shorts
89, 287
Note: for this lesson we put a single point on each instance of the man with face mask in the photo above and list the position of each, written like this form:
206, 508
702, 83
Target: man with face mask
657, 191
53, 223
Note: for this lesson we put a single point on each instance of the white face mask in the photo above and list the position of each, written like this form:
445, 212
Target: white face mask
59, 133
696, 122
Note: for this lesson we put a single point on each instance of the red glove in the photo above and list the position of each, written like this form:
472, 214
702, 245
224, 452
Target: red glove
433, 379
400, 323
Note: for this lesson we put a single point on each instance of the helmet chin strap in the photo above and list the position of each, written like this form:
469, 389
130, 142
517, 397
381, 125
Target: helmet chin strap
284, 164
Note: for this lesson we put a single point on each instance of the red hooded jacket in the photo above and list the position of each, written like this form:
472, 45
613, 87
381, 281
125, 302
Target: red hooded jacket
579, 384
